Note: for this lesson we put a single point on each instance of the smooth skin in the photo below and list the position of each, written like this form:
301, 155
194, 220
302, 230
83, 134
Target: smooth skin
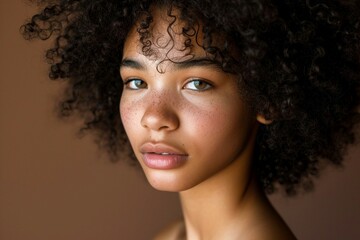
195, 109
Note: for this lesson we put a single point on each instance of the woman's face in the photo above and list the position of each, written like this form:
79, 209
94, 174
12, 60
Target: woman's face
185, 121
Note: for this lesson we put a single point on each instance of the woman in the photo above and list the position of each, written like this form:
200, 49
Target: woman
220, 101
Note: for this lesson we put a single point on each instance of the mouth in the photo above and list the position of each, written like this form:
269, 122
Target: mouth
162, 153
162, 156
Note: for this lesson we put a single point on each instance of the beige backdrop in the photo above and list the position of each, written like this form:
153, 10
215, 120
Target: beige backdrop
54, 186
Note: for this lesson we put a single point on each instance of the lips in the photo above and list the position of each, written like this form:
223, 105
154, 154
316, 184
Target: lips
162, 156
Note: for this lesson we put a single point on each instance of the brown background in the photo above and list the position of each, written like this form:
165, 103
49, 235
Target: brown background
56, 186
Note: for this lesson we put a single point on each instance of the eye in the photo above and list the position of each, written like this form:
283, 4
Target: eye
198, 85
135, 84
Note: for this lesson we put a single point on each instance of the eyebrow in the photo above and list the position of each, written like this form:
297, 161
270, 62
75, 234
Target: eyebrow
130, 63
195, 62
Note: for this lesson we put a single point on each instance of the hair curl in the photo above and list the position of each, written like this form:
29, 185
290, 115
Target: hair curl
298, 65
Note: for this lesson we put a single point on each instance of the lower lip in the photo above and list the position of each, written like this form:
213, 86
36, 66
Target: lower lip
163, 162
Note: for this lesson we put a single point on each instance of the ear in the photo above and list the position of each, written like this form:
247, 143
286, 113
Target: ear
261, 119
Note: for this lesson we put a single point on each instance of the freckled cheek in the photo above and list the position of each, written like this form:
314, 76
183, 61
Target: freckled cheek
129, 112
206, 121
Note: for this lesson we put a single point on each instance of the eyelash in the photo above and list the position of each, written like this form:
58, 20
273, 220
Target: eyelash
192, 81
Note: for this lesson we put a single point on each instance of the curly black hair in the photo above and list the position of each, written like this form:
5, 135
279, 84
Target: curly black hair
298, 65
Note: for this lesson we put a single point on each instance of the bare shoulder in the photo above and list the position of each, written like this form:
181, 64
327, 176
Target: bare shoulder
265, 223
174, 231
270, 228
266, 232
272, 232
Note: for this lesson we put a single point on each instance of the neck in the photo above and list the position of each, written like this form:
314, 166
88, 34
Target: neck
230, 197
212, 215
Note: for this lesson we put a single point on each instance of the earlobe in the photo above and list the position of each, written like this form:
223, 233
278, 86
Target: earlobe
261, 119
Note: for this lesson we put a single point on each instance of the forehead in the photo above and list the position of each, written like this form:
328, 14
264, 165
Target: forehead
166, 38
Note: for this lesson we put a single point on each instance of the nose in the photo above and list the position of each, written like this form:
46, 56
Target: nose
160, 114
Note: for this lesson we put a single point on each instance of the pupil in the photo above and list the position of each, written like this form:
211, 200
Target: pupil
199, 84
138, 83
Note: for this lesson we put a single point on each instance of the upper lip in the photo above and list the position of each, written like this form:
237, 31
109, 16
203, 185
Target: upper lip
160, 148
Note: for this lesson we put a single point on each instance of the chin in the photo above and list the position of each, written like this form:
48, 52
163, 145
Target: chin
166, 182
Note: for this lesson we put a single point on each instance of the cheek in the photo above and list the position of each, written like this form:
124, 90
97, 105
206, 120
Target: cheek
125, 112
128, 113
210, 119
218, 126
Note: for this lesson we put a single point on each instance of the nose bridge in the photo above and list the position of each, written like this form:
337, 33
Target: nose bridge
160, 98
161, 111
